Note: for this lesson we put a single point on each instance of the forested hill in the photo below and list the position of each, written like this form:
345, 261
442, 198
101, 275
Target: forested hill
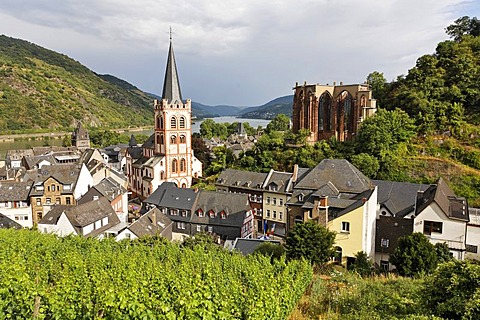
271, 109
42, 89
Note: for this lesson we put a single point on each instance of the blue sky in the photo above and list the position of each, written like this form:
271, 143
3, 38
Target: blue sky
238, 52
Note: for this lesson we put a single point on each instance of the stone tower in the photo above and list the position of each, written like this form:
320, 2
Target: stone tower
80, 137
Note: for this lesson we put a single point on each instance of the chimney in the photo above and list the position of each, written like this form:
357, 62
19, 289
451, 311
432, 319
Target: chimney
341, 83
295, 173
324, 201
323, 210
154, 217
334, 83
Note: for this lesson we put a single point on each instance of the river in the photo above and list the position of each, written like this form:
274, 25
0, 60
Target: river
38, 142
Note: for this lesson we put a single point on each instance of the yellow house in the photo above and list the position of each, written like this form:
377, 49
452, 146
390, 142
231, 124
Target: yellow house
355, 228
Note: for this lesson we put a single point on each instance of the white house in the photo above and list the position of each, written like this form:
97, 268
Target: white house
15, 202
90, 219
442, 217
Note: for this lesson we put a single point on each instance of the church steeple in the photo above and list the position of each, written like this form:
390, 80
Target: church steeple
171, 85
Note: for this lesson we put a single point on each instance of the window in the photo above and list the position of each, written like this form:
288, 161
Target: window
183, 139
173, 139
160, 122
174, 165
57, 201
345, 226
183, 165
274, 201
274, 214
210, 229
199, 228
268, 213
384, 243
67, 200
280, 215
200, 213
211, 213
300, 197
268, 200
39, 202
471, 248
181, 225
280, 202
384, 265
173, 212
173, 123
48, 200
184, 213
182, 122
223, 215
432, 226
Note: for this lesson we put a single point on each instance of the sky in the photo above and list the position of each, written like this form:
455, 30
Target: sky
237, 52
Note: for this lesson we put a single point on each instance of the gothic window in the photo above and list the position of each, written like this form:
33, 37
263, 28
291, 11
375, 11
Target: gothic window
183, 139
160, 122
174, 165
325, 112
345, 112
173, 123
158, 138
161, 139
173, 139
183, 165
182, 122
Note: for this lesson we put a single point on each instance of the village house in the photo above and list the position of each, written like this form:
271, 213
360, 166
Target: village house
90, 219
225, 215
152, 223
15, 202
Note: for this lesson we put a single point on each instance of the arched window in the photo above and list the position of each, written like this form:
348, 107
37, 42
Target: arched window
158, 138
161, 139
183, 165
174, 165
184, 185
183, 139
345, 112
173, 139
173, 123
182, 122
160, 122
325, 112
162, 175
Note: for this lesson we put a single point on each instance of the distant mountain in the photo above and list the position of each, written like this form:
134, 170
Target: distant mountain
44, 90
270, 109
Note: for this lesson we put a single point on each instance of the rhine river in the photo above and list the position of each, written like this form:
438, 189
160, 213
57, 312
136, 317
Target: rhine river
25, 144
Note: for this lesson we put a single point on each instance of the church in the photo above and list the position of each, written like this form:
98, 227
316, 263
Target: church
167, 155
331, 110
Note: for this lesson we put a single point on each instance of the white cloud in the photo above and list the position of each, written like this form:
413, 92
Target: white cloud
238, 51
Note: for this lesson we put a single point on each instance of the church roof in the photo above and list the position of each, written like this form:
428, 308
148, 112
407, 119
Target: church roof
171, 85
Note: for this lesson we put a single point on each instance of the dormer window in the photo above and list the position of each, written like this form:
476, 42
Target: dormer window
223, 215
211, 213
300, 197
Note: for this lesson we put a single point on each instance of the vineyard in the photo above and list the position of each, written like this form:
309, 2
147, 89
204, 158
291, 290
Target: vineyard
45, 277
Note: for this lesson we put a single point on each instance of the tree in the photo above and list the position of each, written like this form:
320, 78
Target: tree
453, 291
464, 26
377, 82
414, 255
443, 252
362, 265
311, 241
280, 123
366, 163
272, 250
384, 132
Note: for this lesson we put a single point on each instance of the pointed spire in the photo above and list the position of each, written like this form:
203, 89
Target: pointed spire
171, 85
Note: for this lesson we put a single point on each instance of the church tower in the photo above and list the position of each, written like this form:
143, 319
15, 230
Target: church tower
173, 130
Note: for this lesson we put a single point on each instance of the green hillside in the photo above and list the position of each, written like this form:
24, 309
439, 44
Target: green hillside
281, 105
44, 90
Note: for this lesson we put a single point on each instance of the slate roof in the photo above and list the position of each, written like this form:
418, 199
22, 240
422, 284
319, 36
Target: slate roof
391, 228
132, 142
144, 226
65, 174
171, 85
340, 172
280, 179
15, 191
234, 205
170, 192
109, 188
82, 215
398, 197
6, 223
135, 152
248, 246
452, 206
241, 179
